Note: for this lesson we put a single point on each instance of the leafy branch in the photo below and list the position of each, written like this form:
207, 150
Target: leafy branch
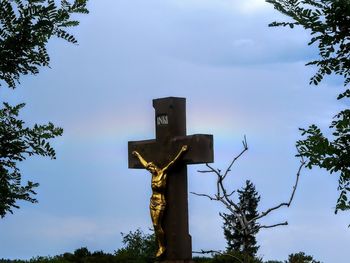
26, 27
329, 24
16, 144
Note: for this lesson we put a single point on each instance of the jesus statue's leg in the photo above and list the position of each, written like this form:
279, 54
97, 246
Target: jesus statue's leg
157, 216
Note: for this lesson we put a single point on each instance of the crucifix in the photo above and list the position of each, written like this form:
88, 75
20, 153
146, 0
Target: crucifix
166, 158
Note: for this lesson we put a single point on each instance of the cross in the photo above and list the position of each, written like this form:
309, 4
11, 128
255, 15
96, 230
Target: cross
170, 124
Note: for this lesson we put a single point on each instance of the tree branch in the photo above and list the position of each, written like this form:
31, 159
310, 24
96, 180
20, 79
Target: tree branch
265, 213
205, 195
245, 148
217, 252
271, 226
225, 198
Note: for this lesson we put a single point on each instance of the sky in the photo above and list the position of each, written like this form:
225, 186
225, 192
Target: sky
239, 77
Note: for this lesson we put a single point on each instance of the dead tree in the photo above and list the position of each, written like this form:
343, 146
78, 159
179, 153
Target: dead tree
225, 198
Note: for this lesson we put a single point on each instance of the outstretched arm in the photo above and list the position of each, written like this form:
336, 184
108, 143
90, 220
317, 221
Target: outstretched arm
183, 149
142, 161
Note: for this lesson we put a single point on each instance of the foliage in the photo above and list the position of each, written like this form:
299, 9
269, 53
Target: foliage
238, 240
235, 257
17, 142
238, 257
329, 23
334, 156
25, 28
139, 248
202, 259
83, 255
229, 257
301, 258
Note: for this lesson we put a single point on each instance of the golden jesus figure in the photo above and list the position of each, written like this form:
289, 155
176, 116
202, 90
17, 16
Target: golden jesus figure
158, 201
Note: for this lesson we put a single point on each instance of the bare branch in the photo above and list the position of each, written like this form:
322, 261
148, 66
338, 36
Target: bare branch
217, 171
205, 171
231, 193
205, 195
245, 148
208, 252
244, 226
271, 226
211, 170
265, 213
217, 252
302, 164
218, 185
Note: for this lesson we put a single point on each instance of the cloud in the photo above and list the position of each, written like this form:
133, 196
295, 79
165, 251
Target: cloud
247, 6
228, 37
203, 32
250, 6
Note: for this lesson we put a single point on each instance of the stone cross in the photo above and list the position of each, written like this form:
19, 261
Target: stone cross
170, 124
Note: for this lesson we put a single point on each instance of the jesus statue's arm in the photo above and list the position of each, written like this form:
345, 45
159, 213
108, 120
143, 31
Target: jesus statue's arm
142, 161
183, 149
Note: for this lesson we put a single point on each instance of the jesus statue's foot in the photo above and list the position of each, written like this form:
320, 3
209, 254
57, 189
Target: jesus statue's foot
160, 252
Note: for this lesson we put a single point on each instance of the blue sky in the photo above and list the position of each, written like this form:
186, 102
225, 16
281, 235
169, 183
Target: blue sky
239, 77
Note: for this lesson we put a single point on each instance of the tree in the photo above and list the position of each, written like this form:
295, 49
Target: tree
235, 257
329, 25
301, 257
246, 226
237, 240
25, 29
139, 247
16, 143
